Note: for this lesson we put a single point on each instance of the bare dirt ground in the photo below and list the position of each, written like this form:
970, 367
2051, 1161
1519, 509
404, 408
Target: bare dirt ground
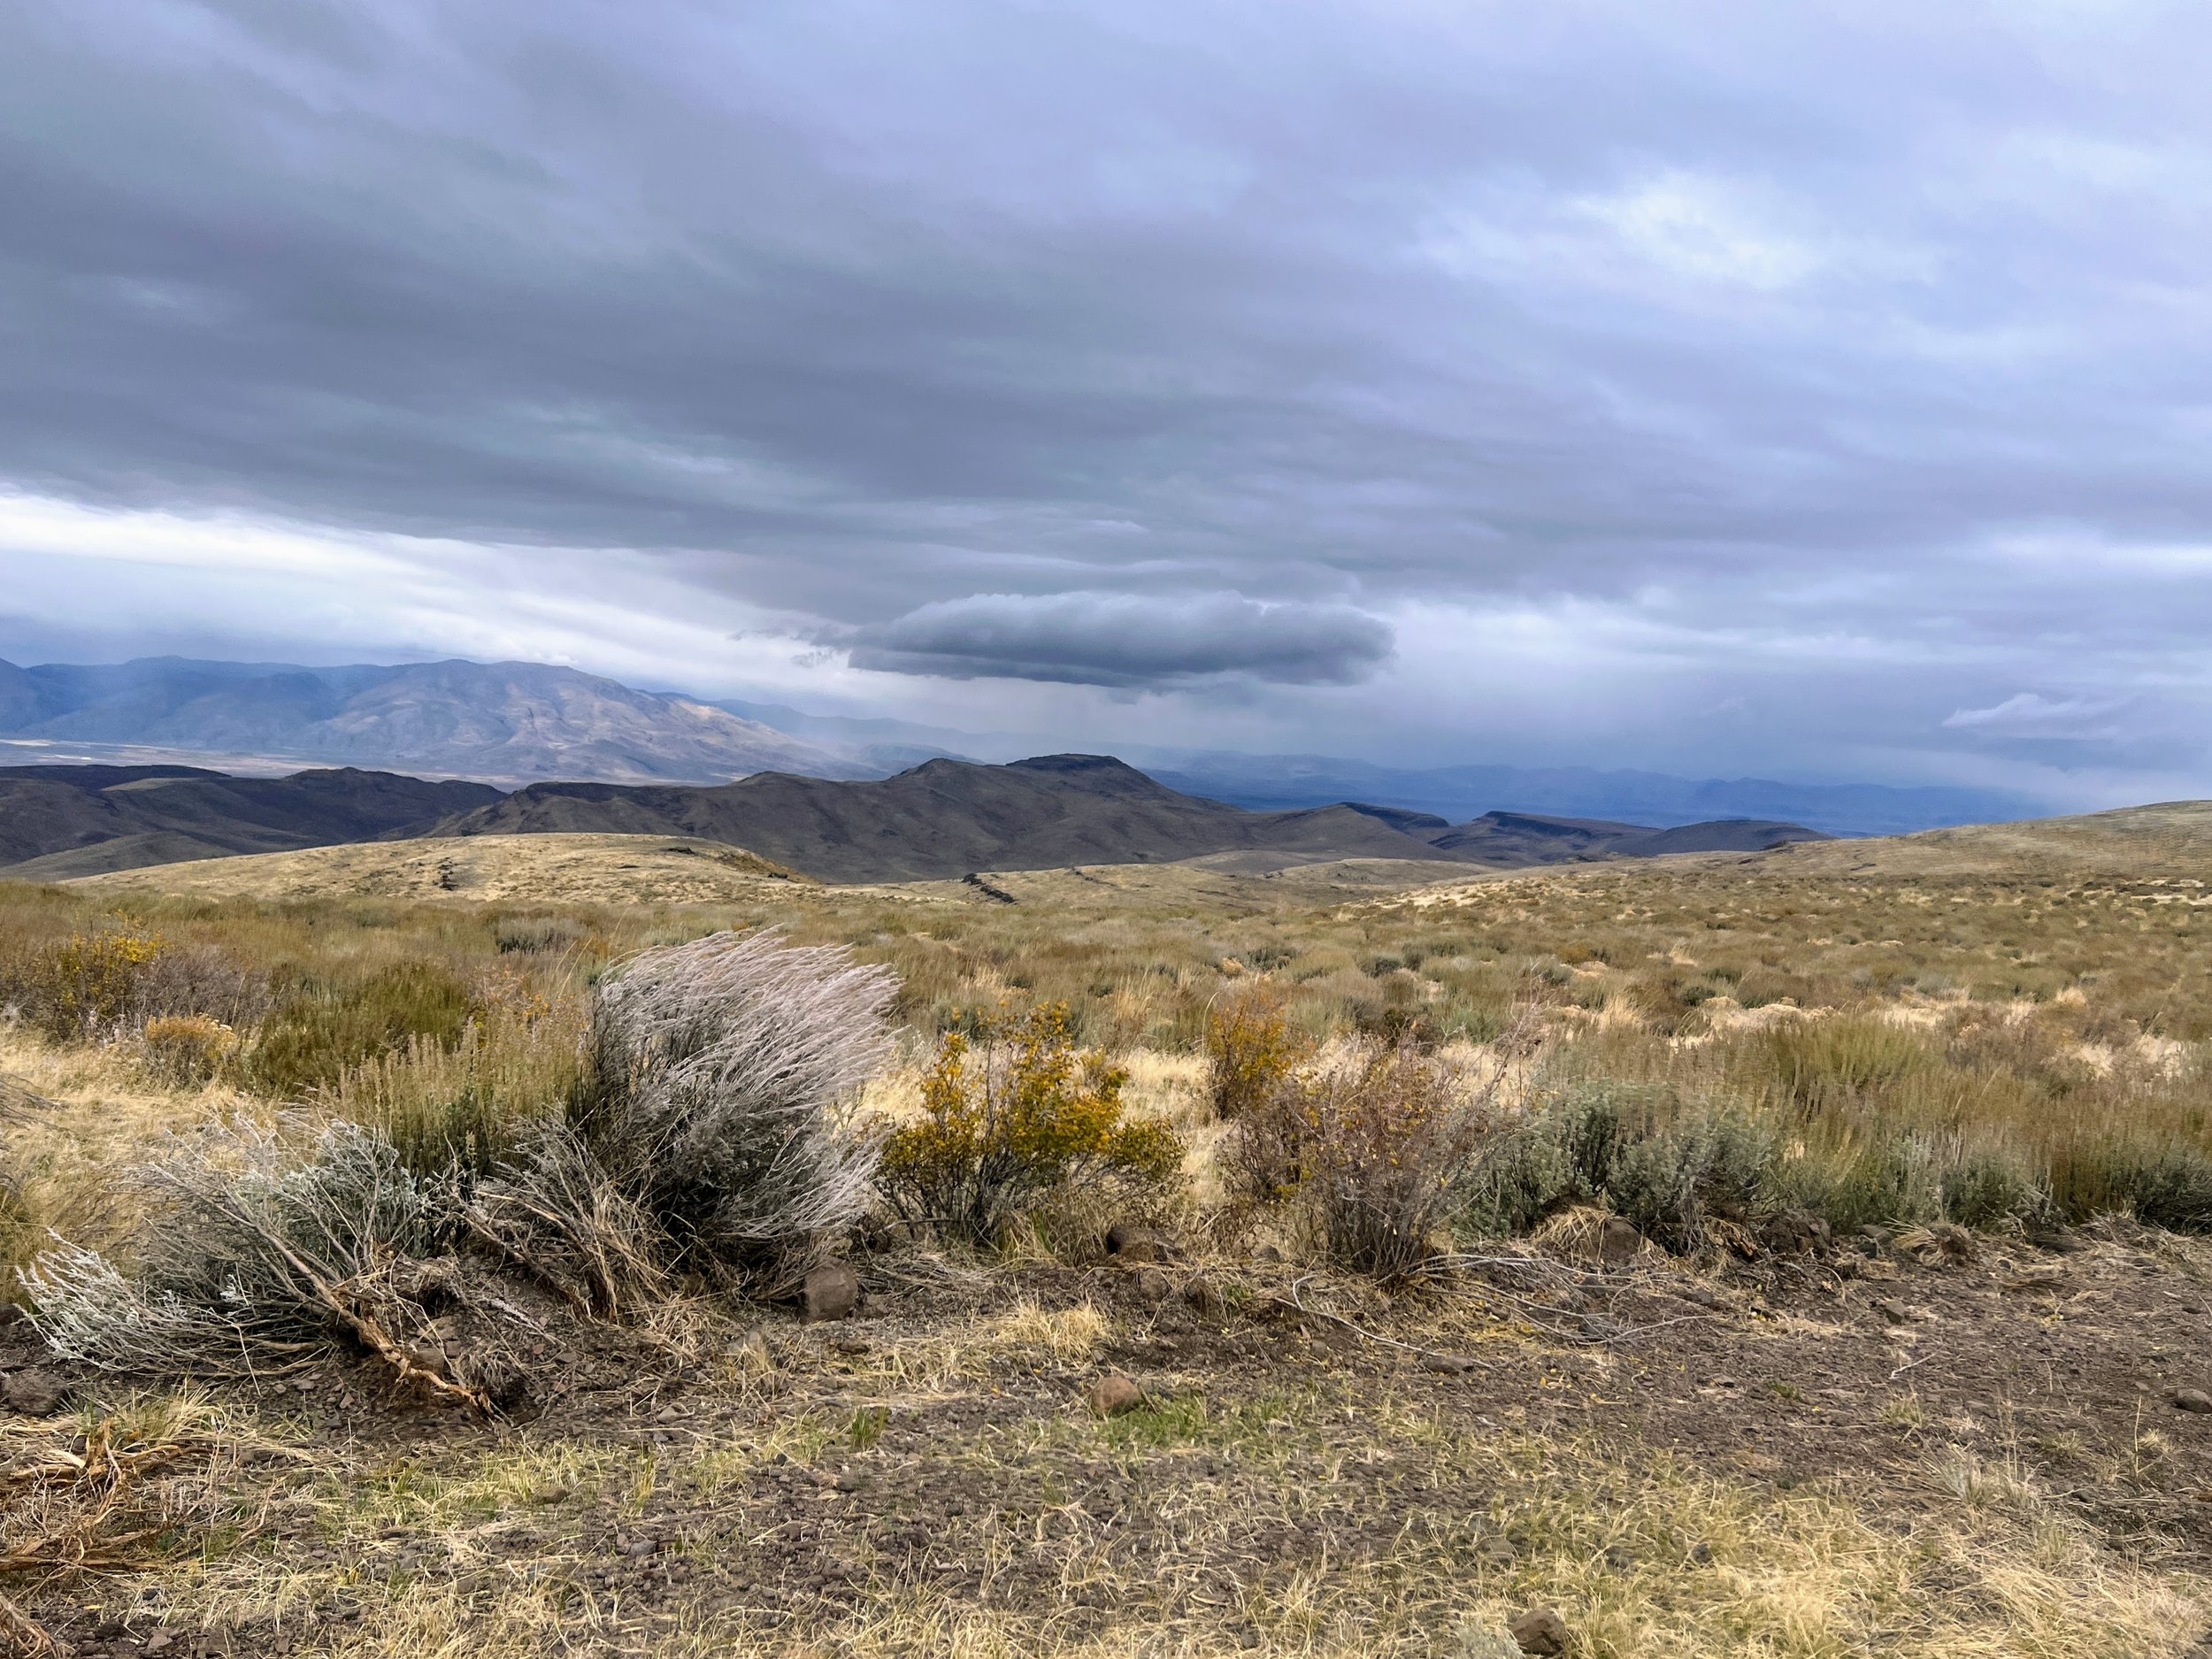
1832, 1453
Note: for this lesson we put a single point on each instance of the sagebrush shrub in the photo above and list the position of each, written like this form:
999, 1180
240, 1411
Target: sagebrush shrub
1011, 1119
251, 1255
710, 1088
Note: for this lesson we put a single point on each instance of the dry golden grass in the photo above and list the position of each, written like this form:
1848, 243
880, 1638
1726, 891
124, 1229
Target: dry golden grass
486, 868
1290, 1489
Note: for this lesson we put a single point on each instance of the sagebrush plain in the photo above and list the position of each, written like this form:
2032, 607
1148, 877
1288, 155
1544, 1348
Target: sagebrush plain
1820, 1270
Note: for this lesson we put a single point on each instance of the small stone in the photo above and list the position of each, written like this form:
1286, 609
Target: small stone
1113, 1395
1540, 1631
667, 1414
2192, 1400
160, 1640
638, 1546
1618, 1242
1205, 1298
1449, 1365
35, 1393
1134, 1244
1151, 1285
831, 1292
1701, 1553
1795, 1232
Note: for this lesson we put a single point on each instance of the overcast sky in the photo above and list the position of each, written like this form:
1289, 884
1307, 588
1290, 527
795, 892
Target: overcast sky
1821, 390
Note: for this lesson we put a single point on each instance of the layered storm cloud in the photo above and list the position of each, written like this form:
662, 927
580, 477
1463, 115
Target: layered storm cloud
1762, 388
1125, 640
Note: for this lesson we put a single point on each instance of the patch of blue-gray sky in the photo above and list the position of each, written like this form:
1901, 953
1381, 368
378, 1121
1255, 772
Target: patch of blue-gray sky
1816, 388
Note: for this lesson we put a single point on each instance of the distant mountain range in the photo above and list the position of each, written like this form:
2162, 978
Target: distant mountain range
499, 722
943, 818
521, 723
950, 818
1279, 782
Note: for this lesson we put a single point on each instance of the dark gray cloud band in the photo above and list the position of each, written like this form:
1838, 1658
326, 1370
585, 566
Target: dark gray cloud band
1126, 641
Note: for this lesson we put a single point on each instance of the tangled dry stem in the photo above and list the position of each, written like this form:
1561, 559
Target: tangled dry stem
253, 1262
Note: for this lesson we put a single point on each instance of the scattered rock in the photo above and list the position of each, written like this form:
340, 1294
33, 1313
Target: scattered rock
2191, 1399
1704, 1295
1134, 1244
1794, 1232
1449, 1365
160, 1641
638, 1546
2058, 1240
1113, 1395
831, 1292
1204, 1297
1618, 1242
1151, 1285
35, 1393
1540, 1631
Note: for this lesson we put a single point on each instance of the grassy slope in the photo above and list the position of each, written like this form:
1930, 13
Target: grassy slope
1809, 1460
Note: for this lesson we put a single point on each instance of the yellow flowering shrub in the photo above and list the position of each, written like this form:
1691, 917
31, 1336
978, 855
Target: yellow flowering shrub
1252, 1049
1013, 1119
89, 982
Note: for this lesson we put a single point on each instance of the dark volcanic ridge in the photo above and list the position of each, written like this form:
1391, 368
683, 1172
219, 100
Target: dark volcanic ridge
948, 818
56, 822
940, 819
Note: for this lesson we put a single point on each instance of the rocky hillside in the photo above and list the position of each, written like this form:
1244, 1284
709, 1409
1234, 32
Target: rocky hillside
504, 722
